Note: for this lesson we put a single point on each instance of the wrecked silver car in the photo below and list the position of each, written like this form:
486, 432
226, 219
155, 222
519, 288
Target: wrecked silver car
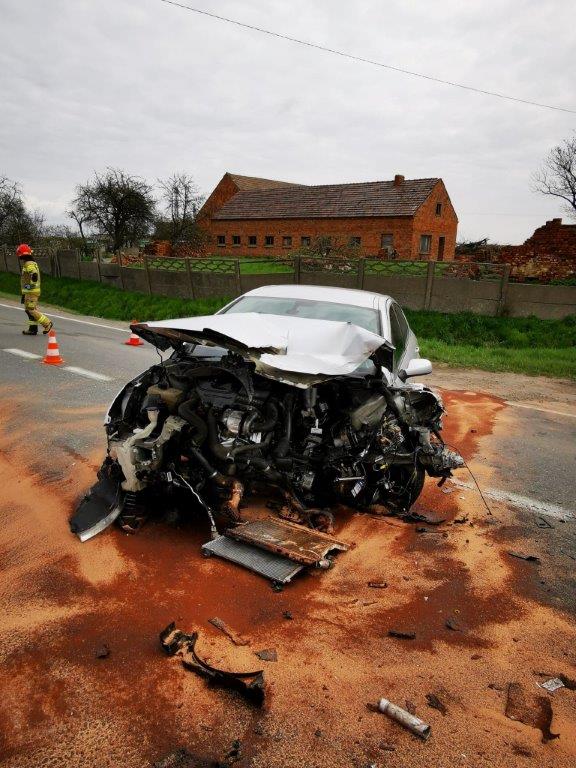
297, 393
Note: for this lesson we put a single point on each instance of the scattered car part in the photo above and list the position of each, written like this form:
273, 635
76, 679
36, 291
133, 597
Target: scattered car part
552, 685
288, 540
434, 702
98, 509
453, 624
378, 584
536, 712
267, 654
402, 634
249, 684
411, 722
102, 652
522, 556
279, 570
230, 634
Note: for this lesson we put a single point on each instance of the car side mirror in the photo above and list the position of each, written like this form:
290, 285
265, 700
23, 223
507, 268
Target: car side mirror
418, 366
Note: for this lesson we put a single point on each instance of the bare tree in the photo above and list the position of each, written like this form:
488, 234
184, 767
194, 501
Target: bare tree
557, 176
17, 224
182, 201
117, 205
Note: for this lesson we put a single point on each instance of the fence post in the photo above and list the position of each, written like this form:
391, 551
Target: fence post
190, 278
297, 270
360, 278
78, 271
429, 284
147, 273
98, 266
238, 278
504, 283
3, 250
120, 270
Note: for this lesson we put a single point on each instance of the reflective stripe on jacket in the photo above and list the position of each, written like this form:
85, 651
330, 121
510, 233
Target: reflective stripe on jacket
30, 278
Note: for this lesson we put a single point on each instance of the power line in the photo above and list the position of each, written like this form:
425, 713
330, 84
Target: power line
351, 56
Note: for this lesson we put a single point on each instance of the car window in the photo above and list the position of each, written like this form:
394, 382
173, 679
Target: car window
365, 317
399, 329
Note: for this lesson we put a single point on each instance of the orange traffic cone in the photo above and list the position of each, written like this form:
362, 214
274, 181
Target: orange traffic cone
52, 356
134, 340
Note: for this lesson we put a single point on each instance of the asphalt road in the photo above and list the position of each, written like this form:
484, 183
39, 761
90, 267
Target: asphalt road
61, 602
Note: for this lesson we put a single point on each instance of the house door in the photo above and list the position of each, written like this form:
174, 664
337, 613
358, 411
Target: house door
441, 241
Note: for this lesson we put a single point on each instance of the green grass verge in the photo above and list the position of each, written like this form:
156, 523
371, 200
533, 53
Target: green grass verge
517, 344
91, 298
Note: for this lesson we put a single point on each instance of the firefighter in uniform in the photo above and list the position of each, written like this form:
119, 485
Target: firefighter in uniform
30, 287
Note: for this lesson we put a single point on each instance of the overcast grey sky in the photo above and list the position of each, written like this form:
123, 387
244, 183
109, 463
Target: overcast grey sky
154, 89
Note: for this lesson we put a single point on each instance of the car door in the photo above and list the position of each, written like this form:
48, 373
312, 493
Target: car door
406, 346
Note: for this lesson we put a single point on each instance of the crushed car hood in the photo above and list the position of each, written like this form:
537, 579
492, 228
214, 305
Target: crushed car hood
294, 350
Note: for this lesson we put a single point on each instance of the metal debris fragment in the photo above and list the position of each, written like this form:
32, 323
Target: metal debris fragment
453, 624
433, 701
401, 634
249, 684
552, 685
267, 654
523, 556
236, 638
411, 722
378, 584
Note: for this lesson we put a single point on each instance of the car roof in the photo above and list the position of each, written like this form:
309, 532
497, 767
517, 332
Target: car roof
353, 296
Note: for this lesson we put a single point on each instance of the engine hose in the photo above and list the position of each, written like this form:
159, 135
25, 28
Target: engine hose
219, 450
264, 466
201, 429
234, 486
283, 445
269, 423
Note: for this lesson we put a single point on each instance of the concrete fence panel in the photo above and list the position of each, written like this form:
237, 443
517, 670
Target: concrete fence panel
454, 295
546, 301
249, 282
89, 270
332, 279
164, 283
134, 280
408, 290
69, 263
110, 274
213, 286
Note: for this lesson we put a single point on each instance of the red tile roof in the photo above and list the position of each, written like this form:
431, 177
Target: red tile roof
291, 201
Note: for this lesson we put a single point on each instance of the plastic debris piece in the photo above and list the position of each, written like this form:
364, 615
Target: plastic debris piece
267, 654
452, 623
378, 584
411, 722
401, 634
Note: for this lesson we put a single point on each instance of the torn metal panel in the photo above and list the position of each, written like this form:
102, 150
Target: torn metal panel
99, 508
294, 542
249, 684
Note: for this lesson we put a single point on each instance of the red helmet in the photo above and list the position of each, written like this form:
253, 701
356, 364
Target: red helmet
23, 250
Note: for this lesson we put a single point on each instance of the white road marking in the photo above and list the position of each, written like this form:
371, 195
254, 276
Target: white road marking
87, 374
23, 353
72, 319
542, 410
523, 502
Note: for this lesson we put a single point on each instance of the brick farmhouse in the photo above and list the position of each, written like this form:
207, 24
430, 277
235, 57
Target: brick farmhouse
401, 218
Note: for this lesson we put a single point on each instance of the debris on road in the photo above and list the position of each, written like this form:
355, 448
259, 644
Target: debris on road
523, 556
181, 758
236, 638
402, 634
102, 652
453, 624
249, 684
267, 654
378, 584
411, 722
542, 523
536, 712
287, 615
460, 520
433, 701
552, 685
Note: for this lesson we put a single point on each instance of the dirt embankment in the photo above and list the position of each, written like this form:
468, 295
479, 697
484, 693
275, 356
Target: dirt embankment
62, 601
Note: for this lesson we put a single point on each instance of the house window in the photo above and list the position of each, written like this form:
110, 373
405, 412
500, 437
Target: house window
252, 241
387, 241
305, 241
221, 240
235, 239
269, 241
438, 209
355, 240
287, 241
425, 244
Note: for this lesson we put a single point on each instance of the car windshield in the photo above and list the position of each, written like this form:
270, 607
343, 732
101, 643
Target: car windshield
365, 317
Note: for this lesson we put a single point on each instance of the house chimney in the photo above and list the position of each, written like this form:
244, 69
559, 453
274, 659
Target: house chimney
398, 180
